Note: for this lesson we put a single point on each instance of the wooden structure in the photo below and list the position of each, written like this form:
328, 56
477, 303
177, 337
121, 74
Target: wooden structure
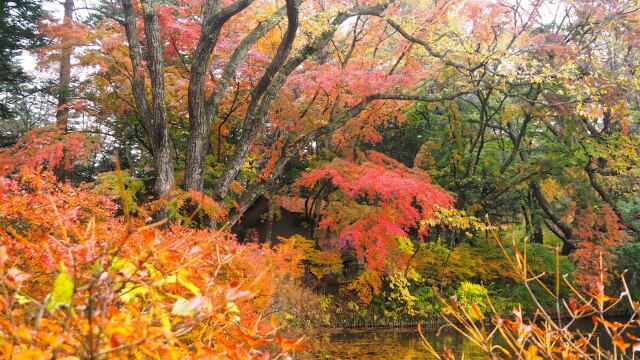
271, 217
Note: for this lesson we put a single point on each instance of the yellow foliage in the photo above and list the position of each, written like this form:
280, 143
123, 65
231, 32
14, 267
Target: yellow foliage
451, 218
317, 261
550, 188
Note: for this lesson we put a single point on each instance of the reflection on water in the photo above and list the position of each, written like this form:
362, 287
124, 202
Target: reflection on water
403, 344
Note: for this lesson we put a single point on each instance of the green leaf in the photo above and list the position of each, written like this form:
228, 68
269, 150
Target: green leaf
62, 292
181, 307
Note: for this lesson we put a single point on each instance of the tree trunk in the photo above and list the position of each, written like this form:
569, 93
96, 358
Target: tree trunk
64, 86
154, 120
534, 221
198, 142
537, 236
159, 133
271, 214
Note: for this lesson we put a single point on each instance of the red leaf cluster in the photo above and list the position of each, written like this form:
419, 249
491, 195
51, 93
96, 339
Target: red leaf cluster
380, 200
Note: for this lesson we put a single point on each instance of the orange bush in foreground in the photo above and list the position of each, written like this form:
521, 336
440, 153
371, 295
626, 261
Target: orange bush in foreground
76, 281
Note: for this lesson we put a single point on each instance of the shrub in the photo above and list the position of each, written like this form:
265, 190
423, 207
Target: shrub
547, 335
627, 259
78, 281
108, 183
468, 294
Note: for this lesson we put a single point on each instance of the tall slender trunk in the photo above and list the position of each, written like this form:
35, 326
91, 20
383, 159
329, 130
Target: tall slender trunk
537, 236
534, 221
271, 214
64, 85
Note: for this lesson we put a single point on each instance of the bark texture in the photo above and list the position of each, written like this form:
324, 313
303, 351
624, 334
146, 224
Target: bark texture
197, 143
154, 117
262, 98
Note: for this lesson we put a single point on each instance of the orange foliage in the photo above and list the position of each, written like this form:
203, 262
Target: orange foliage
47, 146
599, 233
78, 281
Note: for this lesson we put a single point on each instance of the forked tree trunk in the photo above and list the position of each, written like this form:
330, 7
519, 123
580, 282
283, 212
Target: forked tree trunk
214, 18
153, 118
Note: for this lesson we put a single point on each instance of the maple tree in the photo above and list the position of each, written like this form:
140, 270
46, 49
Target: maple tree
375, 202
49, 147
179, 60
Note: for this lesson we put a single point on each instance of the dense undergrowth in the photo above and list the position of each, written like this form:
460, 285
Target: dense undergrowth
79, 280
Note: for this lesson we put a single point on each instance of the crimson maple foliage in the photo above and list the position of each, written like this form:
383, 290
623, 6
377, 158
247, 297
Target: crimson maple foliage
377, 200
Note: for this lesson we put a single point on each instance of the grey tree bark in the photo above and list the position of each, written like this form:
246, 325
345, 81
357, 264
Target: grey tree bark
258, 109
197, 143
154, 118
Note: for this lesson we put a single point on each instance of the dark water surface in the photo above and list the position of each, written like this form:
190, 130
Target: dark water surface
406, 344
377, 344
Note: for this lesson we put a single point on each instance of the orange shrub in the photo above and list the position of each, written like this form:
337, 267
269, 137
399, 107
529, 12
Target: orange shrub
77, 281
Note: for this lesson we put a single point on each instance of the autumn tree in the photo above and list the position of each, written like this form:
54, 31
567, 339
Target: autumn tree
262, 107
526, 104
374, 205
542, 112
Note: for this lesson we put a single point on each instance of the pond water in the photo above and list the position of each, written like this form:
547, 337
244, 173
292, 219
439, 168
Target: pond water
374, 344
405, 343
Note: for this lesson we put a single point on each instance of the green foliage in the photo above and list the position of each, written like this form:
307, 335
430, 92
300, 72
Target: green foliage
630, 210
405, 245
627, 259
108, 183
403, 294
469, 294
399, 295
542, 258
18, 31
62, 292
479, 262
191, 208
426, 301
